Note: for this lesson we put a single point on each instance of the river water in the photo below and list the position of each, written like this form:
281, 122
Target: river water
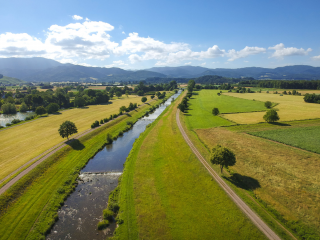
7, 118
82, 210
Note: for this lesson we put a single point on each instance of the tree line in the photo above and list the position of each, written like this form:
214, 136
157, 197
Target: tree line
283, 84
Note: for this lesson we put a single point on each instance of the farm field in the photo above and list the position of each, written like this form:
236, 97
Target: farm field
165, 192
302, 137
24, 142
286, 179
30, 215
289, 108
201, 105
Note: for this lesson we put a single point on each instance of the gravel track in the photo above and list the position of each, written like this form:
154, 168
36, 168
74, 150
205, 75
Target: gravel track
238, 201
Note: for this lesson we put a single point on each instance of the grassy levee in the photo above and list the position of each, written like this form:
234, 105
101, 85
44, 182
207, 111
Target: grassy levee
166, 193
29, 208
290, 107
279, 182
35, 137
202, 103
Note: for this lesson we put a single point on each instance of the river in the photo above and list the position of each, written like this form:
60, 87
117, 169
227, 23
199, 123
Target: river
81, 212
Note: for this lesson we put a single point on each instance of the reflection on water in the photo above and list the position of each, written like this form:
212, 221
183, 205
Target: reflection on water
82, 211
7, 118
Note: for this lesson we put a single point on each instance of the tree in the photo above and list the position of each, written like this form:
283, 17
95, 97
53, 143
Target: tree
40, 110
215, 111
8, 108
144, 99
271, 116
222, 156
67, 128
182, 107
23, 107
152, 96
268, 104
52, 108
127, 93
118, 94
79, 102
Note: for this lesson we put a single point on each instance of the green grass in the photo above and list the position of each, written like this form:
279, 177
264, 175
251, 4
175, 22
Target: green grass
302, 137
29, 208
201, 104
165, 192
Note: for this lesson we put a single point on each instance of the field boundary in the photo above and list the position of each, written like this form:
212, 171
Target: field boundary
239, 202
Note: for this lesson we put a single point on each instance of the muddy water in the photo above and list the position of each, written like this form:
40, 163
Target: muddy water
82, 211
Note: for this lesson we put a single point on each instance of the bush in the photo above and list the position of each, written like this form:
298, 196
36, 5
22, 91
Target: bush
130, 123
109, 138
105, 120
108, 215
103, 224
114, 207
1, 126
8, 124
15, 121
101, 121
268, 104
144, 99
95, 124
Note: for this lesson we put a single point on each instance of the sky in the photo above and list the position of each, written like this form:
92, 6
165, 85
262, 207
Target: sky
141, 34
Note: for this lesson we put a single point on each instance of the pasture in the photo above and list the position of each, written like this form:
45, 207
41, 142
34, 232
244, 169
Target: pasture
166, 193
202, 102
290, 108
26, 141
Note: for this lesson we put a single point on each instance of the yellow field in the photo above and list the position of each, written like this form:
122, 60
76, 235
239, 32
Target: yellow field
24, 142
284, 177
289, 108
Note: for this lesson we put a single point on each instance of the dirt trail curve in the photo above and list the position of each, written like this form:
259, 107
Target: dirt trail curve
43, 157
240, 203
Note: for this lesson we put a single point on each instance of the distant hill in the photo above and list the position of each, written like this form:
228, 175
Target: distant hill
47, 70
10, 80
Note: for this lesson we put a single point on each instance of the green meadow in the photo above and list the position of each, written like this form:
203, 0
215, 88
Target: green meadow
202, 102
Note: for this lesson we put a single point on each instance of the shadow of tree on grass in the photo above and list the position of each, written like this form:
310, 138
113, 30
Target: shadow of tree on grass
75, 144
244, 182
279, 124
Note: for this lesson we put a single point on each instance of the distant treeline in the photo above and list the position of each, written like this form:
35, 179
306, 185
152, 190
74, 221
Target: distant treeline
283, 84
209, 79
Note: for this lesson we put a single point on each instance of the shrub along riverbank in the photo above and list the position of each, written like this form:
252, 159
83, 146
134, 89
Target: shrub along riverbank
29, 208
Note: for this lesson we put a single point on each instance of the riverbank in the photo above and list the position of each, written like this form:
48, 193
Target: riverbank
29, 208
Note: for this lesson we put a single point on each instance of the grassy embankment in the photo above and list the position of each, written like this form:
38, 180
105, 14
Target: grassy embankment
290, 108
201, 108
29, 208
165, 192
282, 180
33, 138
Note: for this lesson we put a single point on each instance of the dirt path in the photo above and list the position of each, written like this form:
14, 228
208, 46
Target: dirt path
240, 203
42, 157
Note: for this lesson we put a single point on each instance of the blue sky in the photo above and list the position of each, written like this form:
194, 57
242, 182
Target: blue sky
143, 34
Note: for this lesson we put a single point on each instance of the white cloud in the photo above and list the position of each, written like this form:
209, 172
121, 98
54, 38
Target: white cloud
20, 45
123, 32
188, 63
87, 19
68, 60
247, 51
316, 57
76, 17
87, 40
116, 64
203, 64
281, 51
